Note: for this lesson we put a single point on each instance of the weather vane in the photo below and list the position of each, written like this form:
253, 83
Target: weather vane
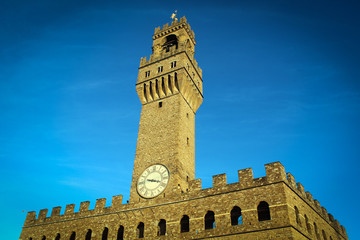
173, 16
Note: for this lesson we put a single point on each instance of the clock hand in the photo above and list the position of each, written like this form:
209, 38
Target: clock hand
153, 180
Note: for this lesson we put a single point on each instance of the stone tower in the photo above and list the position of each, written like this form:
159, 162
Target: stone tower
169, 86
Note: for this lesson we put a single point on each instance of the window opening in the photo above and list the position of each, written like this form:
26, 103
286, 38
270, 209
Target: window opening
236, 218
173, 64
308, 227
57, 236
171, 40
88, 235
316, 230
297, 216
151, 91
43, 238
120, 234
162, 228
210, 220
160, 104
145, 92
73, 235
163, 85
324, 235
176, 82
263, 211
184, 224
160, 69
105, 234
157, 88
187, 141
140, 230
169, 83
147, 74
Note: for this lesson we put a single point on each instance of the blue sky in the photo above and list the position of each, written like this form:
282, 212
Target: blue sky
281, 83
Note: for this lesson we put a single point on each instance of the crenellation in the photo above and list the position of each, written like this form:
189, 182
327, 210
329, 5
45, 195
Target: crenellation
309, 197
301, 189
246, 177
100, 205
69, 209
325, 213
331, 217
30, 218
195, 185
291, 180
116, 202
55, 211
275, 172
84, 206
42, 214
219, 180
317, 205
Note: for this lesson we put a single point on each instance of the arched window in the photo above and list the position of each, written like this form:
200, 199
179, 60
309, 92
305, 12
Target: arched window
140, 230
169, 84
30, 238
120, 234
57, 236
176, 81
145, 94
297, 215
88, 235
324, 234
151, 91
73, 236
157, 87
184, 224
43, 238
263, 211
105, 234
163, 85
210, 220
171, 40
161, 228
236, 218
308, 227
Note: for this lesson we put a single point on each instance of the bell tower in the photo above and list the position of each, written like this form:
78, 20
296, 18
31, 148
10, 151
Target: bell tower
169, 86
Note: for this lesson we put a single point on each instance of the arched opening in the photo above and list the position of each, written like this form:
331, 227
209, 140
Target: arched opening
163, 85
324, 235
236, 218
120, 234
169, 84
297, 216
184, 224
145, 96
57, 236
161, 228
157, 88
43, 238
210, 220
308, 227
73, 236
316, 230
105, 234
151, 91
263, 211
176, 81
140, 230
171, 40
88, 235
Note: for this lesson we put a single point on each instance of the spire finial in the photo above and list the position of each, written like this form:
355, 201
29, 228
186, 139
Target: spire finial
173, 16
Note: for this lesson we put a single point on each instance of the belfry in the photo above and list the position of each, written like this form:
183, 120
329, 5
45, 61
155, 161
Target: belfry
166, 200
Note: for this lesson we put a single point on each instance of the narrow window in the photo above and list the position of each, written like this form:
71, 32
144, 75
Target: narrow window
236, 218
105, 234
263, 211
88, 235
43, 238
187, 178
187, 115
120, 234
173, 64
57, 236
160, 104
147, 74
140, 230
30, 239
210, 220
184, 224
187, 141
160, 69
297, 215
308, 227
161, 228
73, 236
187, 66
324, 235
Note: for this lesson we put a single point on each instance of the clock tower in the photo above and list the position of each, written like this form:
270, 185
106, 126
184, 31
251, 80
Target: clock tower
169, 86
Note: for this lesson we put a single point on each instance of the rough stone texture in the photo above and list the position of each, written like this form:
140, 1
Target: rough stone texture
167, 136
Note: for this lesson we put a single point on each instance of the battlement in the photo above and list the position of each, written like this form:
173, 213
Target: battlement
275, 173
175, 25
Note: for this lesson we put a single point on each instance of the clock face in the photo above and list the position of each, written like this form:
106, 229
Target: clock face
153, 181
